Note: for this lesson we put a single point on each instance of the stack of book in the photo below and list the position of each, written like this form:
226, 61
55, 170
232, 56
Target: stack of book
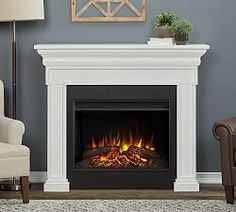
161, 41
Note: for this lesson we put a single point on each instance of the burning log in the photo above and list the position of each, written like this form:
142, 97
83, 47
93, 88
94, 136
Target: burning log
144, 153
112, 157
98, 151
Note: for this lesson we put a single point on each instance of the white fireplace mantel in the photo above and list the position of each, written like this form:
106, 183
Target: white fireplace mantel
121, 64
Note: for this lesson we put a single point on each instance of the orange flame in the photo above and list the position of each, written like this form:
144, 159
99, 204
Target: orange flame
116, 140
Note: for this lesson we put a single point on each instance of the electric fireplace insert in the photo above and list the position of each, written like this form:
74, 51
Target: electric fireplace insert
121, 136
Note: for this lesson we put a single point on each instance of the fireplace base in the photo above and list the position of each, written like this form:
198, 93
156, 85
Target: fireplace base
186, 185
64, 186
56, 186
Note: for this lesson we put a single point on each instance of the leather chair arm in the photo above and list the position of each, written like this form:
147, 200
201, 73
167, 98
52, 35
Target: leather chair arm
228, 124
225, 132
11, 131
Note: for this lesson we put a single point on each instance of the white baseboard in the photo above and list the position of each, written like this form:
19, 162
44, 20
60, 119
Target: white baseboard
38, 177
209, 177
35, 177
202, 177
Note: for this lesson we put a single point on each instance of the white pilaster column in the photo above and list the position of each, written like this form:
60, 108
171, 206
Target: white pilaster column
56, 157
186, 139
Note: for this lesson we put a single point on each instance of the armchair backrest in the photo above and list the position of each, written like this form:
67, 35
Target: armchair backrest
1, 98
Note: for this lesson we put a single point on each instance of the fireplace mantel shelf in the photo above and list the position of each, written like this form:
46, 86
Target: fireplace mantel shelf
120, 56
54, 46
121, 64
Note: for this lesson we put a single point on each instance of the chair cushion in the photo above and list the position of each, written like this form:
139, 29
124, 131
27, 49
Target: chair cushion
10, 151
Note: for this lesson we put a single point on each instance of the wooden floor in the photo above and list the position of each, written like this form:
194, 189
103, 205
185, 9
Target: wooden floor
36, 192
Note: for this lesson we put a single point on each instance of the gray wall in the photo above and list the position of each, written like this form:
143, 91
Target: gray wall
216, 92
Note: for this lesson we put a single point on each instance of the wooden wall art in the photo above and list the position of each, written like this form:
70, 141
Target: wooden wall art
108, 10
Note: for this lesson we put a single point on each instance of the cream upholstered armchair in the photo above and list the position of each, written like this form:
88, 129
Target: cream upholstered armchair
14, 157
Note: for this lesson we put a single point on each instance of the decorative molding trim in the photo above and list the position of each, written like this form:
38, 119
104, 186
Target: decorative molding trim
202, 177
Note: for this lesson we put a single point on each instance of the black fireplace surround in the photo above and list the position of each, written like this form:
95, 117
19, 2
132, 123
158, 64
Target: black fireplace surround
121, 137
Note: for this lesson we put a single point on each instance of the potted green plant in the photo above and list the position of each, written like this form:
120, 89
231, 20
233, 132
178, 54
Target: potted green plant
163, 23
181, 30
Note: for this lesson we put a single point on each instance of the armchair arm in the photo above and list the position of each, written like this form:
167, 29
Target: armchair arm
11, 131
225, 132
228, 124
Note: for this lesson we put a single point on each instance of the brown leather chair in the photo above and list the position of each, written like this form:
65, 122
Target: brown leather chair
225, 132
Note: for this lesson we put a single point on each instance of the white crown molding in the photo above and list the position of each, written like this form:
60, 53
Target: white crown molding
120, 56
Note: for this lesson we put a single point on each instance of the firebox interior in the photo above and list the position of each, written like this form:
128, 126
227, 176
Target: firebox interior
121, 136
122, 139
